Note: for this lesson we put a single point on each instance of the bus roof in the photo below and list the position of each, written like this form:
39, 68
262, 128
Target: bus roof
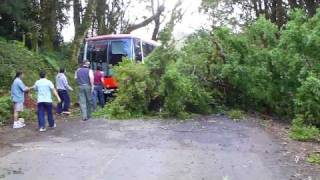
118, 36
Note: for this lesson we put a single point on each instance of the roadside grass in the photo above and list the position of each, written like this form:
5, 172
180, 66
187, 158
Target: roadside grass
301, 132
314, 158
236, 115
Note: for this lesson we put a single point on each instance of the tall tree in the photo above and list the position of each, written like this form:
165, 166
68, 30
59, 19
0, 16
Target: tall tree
145, 22
275, 10
101, 16
112, 17
49, 23
82, 26
157, 21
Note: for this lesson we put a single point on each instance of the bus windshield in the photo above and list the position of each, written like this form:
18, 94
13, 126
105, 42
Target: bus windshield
108, 52
119, 49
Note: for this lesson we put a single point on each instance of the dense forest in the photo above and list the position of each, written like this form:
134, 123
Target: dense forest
257, 56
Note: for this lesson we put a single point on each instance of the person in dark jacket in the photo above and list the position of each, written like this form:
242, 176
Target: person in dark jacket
85, 79
63, 88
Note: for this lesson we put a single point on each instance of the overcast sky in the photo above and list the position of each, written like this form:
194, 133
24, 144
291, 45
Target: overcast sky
192, 20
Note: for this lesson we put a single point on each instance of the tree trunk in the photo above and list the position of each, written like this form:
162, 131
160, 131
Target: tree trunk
156, 29
77, 14
273, 16
34, 41
293, 4
82, 30
280, 13
144, 23
49, 23
255, 7
311, 7
266, 9
157, 22
101, 19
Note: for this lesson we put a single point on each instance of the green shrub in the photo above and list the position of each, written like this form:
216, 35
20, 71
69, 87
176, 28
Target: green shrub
157, 87
260, 68
14, 56
307, 100
314, 158
133, 95
28, 115
181, 94
301, 132
236, 115
5, 110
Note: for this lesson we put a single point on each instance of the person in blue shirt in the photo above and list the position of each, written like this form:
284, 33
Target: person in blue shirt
44, 89
17, 96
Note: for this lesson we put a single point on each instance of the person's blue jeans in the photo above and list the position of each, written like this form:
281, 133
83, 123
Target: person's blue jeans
98, 96
85, 101
64, 105
43, 108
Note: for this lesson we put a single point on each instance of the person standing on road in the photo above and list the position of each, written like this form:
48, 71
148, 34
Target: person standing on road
44, 89
63, 88
98, 94
85, 79
17, 96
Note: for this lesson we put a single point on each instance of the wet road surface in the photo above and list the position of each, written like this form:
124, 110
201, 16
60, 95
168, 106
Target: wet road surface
210, 148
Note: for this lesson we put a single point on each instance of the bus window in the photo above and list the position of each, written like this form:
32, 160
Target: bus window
119, 49
147, 49
137, 50
97, 51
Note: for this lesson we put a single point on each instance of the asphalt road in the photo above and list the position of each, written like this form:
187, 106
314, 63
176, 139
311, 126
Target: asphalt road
209, 148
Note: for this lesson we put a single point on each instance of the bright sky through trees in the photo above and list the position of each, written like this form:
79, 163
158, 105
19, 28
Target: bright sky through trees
192, 20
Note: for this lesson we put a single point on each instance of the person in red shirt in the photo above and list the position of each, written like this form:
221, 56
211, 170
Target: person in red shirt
98, 95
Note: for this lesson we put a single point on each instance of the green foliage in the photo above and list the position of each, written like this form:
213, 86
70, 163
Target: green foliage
314, 158
182, 94
261, 68
301, 132
236, 115
28, 115
307, 100
160, 86
13, 57
133, 95
5, 109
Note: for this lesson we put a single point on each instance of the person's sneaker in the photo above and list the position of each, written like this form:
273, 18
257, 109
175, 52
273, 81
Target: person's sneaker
42, 129
18, 124
21, 120
54, 126
66, 112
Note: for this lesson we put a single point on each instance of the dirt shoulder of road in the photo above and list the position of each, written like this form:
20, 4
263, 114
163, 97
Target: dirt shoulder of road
297, 150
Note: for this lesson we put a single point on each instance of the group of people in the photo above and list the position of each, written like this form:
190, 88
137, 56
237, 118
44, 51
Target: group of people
90, 92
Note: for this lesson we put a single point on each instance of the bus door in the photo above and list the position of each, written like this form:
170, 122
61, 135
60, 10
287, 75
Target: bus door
97, 54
